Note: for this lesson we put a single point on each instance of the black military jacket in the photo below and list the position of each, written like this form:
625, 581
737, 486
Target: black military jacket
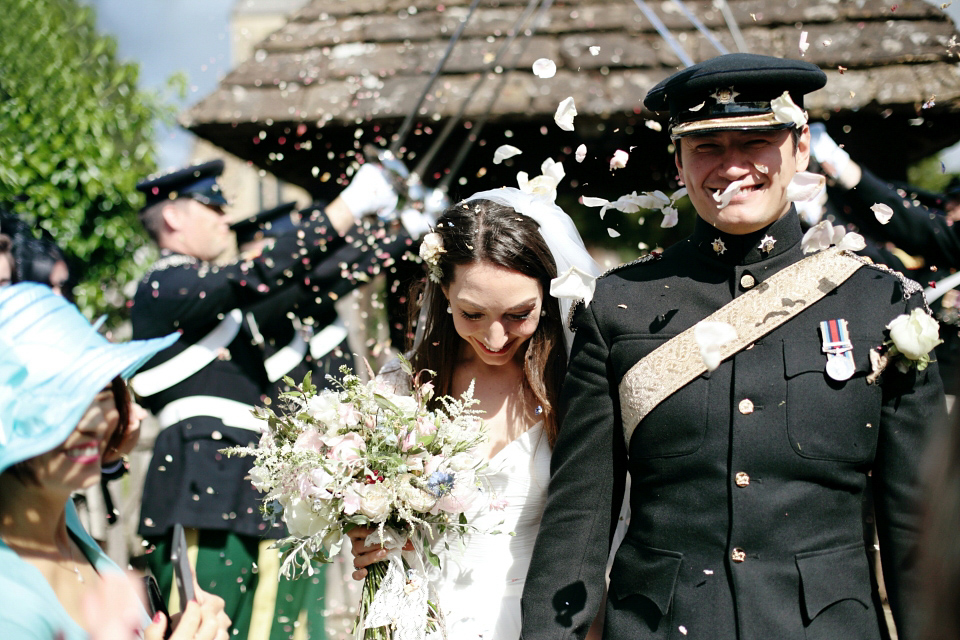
748, 483
189, 480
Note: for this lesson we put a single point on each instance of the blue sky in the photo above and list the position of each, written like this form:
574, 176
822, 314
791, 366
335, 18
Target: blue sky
191, 36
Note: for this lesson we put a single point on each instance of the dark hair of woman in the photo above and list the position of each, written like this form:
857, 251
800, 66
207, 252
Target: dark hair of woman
35, 258
23, 471
486, 232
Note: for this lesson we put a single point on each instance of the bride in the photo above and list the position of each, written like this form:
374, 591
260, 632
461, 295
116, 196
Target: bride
487, 315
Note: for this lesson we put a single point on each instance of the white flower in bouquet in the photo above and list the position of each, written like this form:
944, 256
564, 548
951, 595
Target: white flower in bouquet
376, 502
301, 518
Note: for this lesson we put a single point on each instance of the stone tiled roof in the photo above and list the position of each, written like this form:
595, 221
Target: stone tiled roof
339, 63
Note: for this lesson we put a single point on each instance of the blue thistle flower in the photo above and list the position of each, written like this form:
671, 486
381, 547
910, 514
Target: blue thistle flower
440, 483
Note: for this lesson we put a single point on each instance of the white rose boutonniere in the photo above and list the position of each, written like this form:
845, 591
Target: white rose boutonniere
913, 336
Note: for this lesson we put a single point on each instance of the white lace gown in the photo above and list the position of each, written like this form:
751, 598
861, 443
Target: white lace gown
480, 584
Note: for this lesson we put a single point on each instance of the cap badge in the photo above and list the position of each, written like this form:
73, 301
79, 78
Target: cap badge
839, 349
725, 96
718, 246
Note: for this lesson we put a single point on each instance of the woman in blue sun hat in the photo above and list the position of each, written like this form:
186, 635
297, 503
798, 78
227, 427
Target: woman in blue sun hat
63, 407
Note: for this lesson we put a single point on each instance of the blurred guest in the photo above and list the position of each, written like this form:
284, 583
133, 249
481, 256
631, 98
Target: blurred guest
6, 261
203, 389
63, 408
41, 260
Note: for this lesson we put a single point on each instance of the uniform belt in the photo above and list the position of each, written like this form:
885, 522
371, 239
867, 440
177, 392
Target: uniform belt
284, 360
327, 340
192, 359
230, 412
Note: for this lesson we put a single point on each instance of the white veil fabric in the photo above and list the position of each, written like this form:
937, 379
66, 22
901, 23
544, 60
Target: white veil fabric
563, 240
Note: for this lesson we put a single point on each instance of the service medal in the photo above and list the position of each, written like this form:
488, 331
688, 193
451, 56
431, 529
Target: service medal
839, 349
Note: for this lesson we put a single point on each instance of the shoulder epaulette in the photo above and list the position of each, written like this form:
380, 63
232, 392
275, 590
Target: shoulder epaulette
170, 261
650, 257
910, 287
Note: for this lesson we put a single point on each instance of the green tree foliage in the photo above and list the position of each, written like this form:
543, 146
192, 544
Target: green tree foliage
75, 136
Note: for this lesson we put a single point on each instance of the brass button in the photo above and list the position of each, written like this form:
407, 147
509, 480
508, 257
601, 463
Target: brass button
747, 281
746, 406
738, 555
742, 479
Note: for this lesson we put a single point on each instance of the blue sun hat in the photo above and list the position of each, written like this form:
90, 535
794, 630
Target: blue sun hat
53, 364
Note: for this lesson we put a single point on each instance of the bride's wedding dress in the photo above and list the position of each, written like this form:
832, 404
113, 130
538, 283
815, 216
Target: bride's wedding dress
480, 583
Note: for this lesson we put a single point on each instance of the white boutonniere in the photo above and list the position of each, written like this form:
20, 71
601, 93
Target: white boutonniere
431, 248
912, 337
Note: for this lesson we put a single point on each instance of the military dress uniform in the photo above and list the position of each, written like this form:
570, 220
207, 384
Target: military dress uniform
747, 483
202, 392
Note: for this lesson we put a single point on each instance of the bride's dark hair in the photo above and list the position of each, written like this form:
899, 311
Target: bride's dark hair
484, 231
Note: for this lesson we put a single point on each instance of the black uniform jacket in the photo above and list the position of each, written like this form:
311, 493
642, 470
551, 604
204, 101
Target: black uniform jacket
747, 483
368, 250
189, 480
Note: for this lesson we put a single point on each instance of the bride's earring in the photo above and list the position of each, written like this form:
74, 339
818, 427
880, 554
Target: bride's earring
449, 310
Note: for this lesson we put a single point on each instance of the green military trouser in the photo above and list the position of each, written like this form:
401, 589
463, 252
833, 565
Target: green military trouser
244, 572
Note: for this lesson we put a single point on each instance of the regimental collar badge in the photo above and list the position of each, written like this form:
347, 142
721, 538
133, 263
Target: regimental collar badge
766, 243
718, 246
725, 96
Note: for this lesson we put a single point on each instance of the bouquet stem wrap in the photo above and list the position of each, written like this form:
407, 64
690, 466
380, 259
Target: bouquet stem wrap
395, 603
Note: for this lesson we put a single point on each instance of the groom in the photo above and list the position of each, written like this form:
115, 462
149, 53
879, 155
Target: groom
748, 478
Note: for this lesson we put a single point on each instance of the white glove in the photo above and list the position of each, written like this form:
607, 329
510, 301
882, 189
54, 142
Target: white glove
416, 222
370, 192
831, 157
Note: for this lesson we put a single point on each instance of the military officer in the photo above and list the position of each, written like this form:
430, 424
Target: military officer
202, 391
748, 466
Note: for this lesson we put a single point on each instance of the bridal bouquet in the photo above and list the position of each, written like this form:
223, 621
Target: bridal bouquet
362, 455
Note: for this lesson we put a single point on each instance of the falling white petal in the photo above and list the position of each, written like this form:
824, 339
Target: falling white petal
566, 111
852, 242
581, 153
670, 217
613, 233
544, 68
505, 151
619, 159
723, 199
785, 110
594, 51
698, 107
553, 169
574, 284
710, 336
823, 236
653, 124
882, 212
805, 186
679, 193
596, 202
804, 45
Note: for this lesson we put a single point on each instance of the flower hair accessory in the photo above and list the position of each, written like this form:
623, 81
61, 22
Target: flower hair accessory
431, 248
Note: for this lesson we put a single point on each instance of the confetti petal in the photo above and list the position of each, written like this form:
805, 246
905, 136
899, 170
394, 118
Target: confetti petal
785, 110
613, 233
805, 186
544, 68
882, 212
505, 151
619, 159
594, 51
804, 45
723, 199
581, 153
670, 218
574, 284
566, 111
710, 336
653, 124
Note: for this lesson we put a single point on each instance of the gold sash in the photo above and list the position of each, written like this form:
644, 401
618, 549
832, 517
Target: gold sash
754, 314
